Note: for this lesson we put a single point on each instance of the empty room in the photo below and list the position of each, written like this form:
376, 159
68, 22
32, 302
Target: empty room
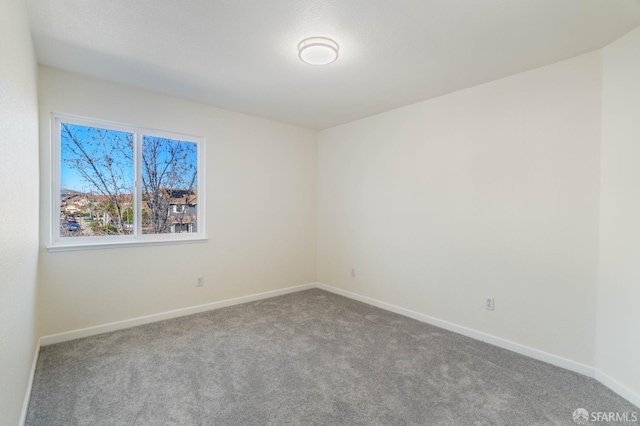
297, 212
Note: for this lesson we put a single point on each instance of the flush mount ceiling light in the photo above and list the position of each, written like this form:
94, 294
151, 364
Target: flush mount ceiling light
318, 50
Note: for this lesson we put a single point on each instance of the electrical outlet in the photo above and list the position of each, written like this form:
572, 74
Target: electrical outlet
489, 303
353, 272
200, 282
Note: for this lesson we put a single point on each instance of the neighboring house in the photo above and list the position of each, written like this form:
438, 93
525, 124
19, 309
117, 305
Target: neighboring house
182, 211
183, 227
73, 209
70, 203
181, 205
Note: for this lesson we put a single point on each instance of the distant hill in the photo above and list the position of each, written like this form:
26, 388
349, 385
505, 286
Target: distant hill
67, 191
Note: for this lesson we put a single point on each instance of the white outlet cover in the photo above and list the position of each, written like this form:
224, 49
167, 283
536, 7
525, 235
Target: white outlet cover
489, 303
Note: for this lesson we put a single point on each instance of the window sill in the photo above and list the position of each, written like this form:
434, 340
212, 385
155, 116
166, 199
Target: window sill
123, 244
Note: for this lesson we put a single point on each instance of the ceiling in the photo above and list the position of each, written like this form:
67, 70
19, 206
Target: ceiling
241, 55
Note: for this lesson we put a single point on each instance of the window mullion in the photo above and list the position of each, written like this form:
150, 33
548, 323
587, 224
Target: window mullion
103, 206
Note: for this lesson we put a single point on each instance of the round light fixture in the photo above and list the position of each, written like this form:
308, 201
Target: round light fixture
318, 50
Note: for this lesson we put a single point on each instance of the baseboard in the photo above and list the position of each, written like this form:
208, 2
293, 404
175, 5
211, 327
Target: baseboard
617, 387
465, 331
119, 325
32, 373
556, 360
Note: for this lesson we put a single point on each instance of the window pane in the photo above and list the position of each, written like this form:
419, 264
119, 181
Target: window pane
96, 181
169, 186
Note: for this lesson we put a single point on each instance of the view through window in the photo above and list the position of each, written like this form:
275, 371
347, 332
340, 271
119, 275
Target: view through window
115, 182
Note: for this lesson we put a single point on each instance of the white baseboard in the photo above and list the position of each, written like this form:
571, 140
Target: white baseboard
543, 356
556, 360
469, 332
119, 325
32, 373
617, 387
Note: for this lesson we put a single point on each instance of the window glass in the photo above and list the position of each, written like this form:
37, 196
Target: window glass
122, 184
169, 185
96, 181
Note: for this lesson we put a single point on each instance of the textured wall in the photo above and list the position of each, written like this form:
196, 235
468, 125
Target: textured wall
18, 209
490, 191
260, 212
618, 338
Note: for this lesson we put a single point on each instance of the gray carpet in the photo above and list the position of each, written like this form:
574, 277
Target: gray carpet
308, 358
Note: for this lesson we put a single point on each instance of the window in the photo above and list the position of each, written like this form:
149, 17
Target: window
116, 184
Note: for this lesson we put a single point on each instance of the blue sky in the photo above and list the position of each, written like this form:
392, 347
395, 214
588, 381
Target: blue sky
98, 144
102, 145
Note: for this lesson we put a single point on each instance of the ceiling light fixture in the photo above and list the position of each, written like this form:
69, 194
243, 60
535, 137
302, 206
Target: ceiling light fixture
318, 50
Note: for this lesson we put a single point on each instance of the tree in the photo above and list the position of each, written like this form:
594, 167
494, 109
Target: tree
104, 160
169, 176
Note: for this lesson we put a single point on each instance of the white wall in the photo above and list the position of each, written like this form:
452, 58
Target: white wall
491, 191
18, 209
260, 212
618, 337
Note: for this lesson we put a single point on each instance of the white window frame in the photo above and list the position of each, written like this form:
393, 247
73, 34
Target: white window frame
58, 243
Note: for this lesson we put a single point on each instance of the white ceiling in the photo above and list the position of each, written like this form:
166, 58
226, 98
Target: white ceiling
241, 54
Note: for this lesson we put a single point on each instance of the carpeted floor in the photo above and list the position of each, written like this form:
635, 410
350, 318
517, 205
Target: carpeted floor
308, 358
